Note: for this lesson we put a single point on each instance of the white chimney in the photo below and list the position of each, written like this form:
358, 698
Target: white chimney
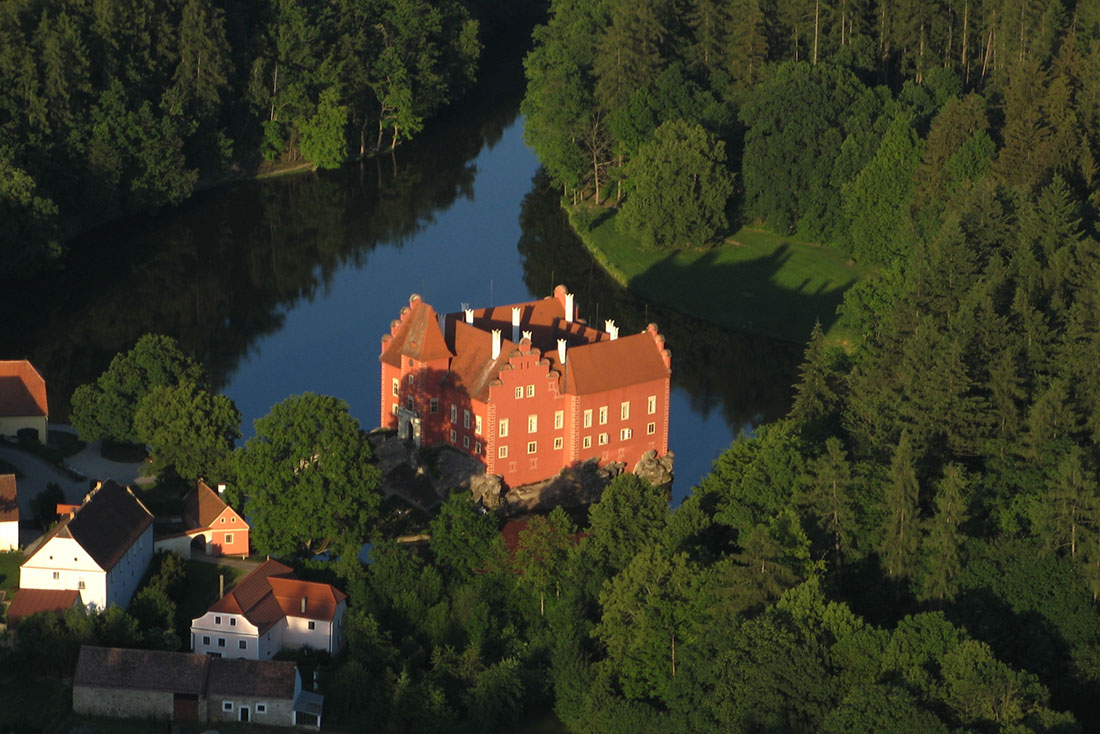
496, 343
221, 489
610, 328
561, 351
515, 323
568, 306
469, 315
527, 335
303, 605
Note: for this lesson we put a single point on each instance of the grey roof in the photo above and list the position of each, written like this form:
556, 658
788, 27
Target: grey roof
237, 677
309, 703
142, 670
106, 525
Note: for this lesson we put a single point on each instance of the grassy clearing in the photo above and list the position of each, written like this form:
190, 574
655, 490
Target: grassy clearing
9, 571
756, 281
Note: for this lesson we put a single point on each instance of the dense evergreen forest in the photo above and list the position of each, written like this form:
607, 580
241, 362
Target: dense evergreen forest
110, 107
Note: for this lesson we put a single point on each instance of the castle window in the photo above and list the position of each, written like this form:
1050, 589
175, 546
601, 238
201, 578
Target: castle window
603, 415
602, 440
503, 428
519, 393
530, 391
412, 380
532, 423
625, 434
393, 408
465, 442
651, 428
409, 402
433, 405
588, 418
502, 452
396, 387
586, 442
465, 419
412, 363
651, 404
454, 436
559, 418
532, 447
477, 447
624, 410
558, 443
454, 413
477, 424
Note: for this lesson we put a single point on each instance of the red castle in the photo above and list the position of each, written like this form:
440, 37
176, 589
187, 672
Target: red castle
557, 393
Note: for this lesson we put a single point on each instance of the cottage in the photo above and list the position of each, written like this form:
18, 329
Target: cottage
557, 393
211, 526
268, 611
9, 514
101, 549
22, 399
179, 686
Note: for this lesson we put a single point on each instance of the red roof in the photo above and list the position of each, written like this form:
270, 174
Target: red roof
418, 336
271, 592
203, 506
22, 389
33, 601
9, 507
606, 365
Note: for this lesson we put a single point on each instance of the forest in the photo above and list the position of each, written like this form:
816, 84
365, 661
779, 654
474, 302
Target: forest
115, 107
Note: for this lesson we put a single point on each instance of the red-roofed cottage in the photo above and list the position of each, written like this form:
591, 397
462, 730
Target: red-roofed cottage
271, 610
211, 526
558, 392
22, 399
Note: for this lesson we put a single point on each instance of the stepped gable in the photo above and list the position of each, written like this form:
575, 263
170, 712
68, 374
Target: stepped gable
202, 506
147, 670
109, 521
9, 505
474, 367
636, 358
416, 335
22, 389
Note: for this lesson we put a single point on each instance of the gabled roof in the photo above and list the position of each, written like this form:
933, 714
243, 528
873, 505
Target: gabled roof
418, 336
272, 592
33, 601
240, 677
22, 389
473, 366
320, 599
9, 506
142, 670
202, 506
606, 365
109, 521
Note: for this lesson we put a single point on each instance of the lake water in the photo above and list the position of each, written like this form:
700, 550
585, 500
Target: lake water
286, 285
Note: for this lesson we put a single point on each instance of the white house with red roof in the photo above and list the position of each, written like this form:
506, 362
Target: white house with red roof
9, 514
271, 610
101, 549
22, 399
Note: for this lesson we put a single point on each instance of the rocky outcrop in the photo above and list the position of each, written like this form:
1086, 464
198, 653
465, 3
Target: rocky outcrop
657, 470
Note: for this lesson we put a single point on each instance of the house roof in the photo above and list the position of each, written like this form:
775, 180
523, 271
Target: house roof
22, 389
144, 670
33, 601
240, 677
418, 336
321, 600
9, 506
606, 365
272, 592
109, 521
202, 506
473, 366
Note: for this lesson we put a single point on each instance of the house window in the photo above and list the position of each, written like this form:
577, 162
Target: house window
80, 584
229, 541
651, 428
477, 424
532, 447
261, 708
502, 452
433, 405
454, 436
603, 415
242, 644
651, 404
519, 393
558, 443
232, 620
217, 620
312, 625
624, 410
477, 447
602, 439
227, 705
588, 419
625, 434
454, 413
559, 418
586, 442
532, 423
221, 642
396, 387
56, 575
530, 391
465, 419
206, 639
232, 519
503, 428
223, 520
465, 442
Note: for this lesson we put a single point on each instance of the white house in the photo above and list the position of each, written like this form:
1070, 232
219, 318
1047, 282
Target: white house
271, 610
101, 549
9, 514
22, 399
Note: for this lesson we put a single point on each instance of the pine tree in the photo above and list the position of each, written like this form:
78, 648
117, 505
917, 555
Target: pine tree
900, 532
828, 497
942, 563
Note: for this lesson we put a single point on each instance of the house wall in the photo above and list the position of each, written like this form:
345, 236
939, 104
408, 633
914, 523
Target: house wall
11, 425
72, 564
617, 448
297, 633
228, 535
122, 703
9, 535
280, 711
257, 647
123, 579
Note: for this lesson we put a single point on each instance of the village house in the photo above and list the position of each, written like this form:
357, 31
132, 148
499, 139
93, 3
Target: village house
180, 686
22, 399
211, 526
271, 610
9, 513
528, 389
101, 549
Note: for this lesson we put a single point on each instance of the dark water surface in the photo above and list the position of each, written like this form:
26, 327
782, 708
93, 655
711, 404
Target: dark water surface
286, 285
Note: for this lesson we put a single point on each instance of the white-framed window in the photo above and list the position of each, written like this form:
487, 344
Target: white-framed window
454, 436
311, 625
393, 409
261, 708
206, 639
411, 379
559, 418
519, 393
454, 413
56, 575
433, 405
532, 423
227, 705
232, 621
229, 541
626, 434
242, 644
603, 415
80, 584
502, 452
588, 418
624, 410
477, 447
409, 402
586, 442
650, 428
217, 620
503, 432
465, 442
530, 391
396, 387
532, 447
223, 521
651, 404
221, 642
477, 424
465, 419
558, 442
602, 439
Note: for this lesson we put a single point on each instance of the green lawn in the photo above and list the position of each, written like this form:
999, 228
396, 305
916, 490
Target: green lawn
9, 571
756, 281
202, 587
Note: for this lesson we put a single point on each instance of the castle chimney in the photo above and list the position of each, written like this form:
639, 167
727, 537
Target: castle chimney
469, 313
528, 336
561, 351
515, 323
496, 343
569, 307
610, 328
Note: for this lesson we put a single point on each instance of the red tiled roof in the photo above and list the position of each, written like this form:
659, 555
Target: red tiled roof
606, 365
418, 337
272, 592
321, 599
202, 506
9, 506
33, 601
473, 367
22, 389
